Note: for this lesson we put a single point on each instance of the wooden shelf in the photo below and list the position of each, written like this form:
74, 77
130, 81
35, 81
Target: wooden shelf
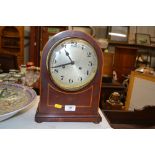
131, 45
9, 36
10, 46
12, 42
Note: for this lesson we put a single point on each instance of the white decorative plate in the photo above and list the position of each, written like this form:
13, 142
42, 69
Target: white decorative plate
14, 98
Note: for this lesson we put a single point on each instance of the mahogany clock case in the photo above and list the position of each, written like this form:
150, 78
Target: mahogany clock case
86, 100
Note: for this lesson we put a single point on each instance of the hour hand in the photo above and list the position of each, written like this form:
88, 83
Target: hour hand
67, 54
63, 65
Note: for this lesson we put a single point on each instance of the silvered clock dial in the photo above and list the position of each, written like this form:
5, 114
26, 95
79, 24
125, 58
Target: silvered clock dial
72, 63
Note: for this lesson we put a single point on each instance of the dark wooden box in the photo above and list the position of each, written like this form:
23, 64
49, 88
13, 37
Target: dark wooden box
119, 119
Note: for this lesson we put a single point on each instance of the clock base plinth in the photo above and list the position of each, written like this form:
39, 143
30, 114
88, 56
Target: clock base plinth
39, 118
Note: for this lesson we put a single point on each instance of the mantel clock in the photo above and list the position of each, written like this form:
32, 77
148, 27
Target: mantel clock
71, 76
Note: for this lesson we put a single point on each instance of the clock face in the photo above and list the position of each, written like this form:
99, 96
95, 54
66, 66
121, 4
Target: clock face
72, 63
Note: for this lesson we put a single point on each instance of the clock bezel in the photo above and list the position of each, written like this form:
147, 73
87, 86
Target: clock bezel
65, 86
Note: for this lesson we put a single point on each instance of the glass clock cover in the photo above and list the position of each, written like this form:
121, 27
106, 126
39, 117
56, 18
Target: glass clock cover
72, 63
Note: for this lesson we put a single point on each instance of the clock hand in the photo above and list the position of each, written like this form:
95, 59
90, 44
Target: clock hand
68, 56
62, 65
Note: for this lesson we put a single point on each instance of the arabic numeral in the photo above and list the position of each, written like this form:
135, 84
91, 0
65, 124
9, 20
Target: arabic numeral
63, 45
80, 79
62, 77
70, 81
88, 54
90, 63
87, 72
56, 70
73, 43
80, 68
82, 47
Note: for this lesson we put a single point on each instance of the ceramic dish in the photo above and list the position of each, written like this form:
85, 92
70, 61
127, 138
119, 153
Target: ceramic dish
14, 98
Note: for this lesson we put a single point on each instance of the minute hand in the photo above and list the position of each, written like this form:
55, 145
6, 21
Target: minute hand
62, 65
